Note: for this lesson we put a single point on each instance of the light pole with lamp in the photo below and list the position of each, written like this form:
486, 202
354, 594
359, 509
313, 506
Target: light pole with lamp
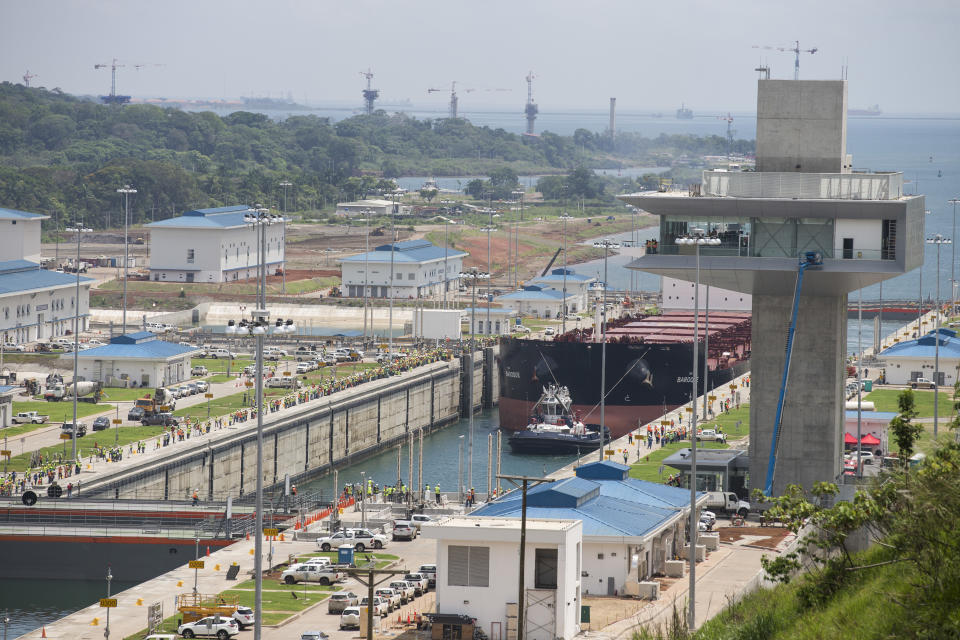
284, 184
939, 241
446, 251
78, 229
516, 242
393, 250
106, 632
363, 499
563, 326
259, 218
697, 240
126, 190
473, 275
953, 257
460, 468
606, 245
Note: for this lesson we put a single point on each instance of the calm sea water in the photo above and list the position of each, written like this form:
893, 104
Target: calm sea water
32, 603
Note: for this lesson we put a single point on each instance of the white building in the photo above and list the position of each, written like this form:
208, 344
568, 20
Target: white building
137, 360
630, 527
540, 302
576, 284
371, 208
36, 304
20, 235
421, 270
911, 359
212, 245
499, 323
678, 295
478, 573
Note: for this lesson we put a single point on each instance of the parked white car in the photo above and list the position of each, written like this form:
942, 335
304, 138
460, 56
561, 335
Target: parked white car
361, 539
350, 618
211, 626
244, 617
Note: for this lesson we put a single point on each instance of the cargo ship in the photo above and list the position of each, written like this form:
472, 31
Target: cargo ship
649, 367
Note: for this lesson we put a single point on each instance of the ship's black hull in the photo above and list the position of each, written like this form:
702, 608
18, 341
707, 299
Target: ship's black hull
530, 442
642, 380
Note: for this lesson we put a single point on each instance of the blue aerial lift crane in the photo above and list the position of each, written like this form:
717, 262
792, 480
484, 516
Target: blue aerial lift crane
809, 259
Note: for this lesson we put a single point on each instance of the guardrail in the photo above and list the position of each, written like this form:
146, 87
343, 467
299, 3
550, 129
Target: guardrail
834, 186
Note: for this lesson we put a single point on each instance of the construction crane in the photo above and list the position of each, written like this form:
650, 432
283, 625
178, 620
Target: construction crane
27, 77
796, 50
113, 98
369, 94
453, 98
531, 109
730, 130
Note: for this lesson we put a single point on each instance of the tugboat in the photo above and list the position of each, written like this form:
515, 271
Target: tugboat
554, 429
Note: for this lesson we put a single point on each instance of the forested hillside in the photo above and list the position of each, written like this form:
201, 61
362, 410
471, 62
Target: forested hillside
61, 154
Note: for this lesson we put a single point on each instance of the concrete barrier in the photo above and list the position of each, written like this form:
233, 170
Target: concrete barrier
701, 552
675, 568
710, 540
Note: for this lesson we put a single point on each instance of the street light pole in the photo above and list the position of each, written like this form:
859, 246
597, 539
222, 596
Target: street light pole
474, 275
939, 241
283, 245
79, 229
563, 325
953, 255
696, 240
106, 632
606, 245
126, 191
460, 469
393, 250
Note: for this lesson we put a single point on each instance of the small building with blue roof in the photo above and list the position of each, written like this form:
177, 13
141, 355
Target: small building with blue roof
421, 269
540, 301
574, 283
630, 527
908, 360
138, 359
213, 245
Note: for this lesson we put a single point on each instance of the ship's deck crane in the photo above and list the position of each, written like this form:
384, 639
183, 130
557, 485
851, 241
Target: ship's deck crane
796, 50
369, 94
27, 77
810, 259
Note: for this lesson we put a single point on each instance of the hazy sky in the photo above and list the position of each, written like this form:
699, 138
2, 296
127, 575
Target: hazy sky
650, 55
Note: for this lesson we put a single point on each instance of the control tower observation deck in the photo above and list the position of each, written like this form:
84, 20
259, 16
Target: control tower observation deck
803, 197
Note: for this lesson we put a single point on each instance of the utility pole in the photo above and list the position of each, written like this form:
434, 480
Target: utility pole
368, 577
523, 483
283, 247
126, 191
606, 245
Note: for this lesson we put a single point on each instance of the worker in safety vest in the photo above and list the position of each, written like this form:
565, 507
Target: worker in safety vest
436, 491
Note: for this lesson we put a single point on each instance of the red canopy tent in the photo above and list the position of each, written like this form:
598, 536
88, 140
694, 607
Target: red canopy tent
849, 439
869, 440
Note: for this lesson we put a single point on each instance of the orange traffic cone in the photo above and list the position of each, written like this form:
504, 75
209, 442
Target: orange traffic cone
281, 537
408, 618
399, 620
43, 632
248, 535
208, 552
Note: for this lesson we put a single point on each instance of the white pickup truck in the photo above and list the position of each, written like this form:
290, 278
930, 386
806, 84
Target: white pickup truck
308, 572
32, 417
727, 501
922, 383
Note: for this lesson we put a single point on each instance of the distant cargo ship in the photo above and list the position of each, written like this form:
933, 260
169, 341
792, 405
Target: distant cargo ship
871, 111
683, 113
649, 368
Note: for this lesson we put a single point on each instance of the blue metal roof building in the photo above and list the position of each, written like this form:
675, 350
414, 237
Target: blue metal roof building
37, 303
140, 359
911, 359
14, 214
215, 218
407, 251
612, 506
556, 277
23, 276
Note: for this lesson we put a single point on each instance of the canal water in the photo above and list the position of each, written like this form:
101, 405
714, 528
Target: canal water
32, 603
442, 460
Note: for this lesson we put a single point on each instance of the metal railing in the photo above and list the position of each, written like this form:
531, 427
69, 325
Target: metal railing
834, 186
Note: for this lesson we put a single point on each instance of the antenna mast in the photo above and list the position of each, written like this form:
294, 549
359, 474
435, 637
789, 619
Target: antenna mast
369, 94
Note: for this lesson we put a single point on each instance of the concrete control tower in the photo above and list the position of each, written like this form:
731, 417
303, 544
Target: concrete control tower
803, 197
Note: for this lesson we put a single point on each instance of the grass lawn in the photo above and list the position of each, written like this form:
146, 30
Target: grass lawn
886, 400
219, 365
276, 585
85, 444
648, 468
272, 600
729, 422
218, 406
124, 395
333, 555
60, 411
220, 377
296, 286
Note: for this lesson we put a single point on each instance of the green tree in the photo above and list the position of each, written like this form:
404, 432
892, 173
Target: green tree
905, 432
